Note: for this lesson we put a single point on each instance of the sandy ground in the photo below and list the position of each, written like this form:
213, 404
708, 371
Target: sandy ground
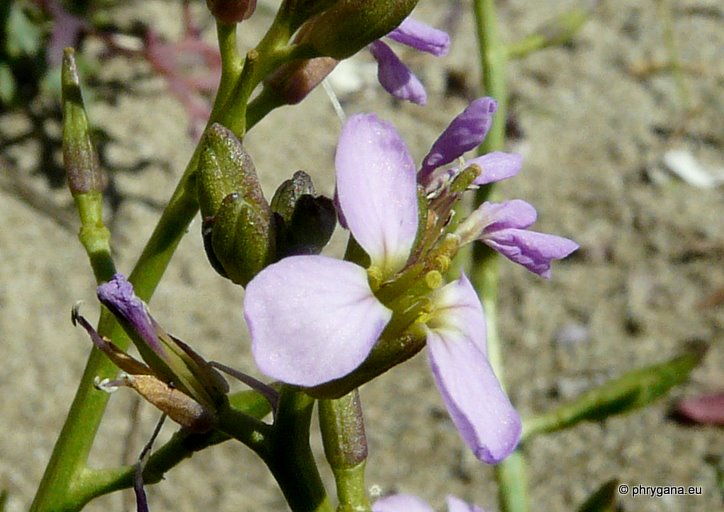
593, 133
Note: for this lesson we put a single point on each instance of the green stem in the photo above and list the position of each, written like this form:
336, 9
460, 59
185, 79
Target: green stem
290, 458
76, 438
91, 483
509, 473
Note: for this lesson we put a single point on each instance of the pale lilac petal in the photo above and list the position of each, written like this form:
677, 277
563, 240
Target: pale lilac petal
395, 77
376, 190
457, 505
312, 319
479, 408
491, 217
515, 213
401, 503
464, 133
421, 36
496, 166
120, 299
535, 251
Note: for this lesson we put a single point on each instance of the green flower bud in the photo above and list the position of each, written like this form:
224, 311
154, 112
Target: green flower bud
238, 229
79, 155
299, 11
343, 432
350, 25
241, 239
292, 82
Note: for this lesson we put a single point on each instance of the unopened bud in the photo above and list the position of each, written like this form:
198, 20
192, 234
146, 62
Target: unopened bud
231, 11
225, 167
238, 230
350, 25
79, 155
305, 221
241, 239
343, 431
300, 11
292, 82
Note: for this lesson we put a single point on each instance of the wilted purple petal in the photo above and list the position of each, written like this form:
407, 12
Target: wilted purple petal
457, 505
395, 77
481, 411
421, 36
533, 250
118, 296
496, 166
376, 190
312, 319
464, 133
401, 503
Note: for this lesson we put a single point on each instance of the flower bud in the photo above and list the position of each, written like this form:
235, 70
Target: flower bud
231, 11
343, 431
292, 82
300, 11
237, 229
79, 155
350, 25
305, 222
240, 239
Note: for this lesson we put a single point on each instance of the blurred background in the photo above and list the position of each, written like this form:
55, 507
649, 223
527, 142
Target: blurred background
622, 130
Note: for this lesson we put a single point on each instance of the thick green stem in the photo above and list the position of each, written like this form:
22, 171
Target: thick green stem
290, 458
484, 272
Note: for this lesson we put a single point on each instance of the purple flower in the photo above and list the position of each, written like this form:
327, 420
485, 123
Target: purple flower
313, 319
409, 503
502, 226
394, 76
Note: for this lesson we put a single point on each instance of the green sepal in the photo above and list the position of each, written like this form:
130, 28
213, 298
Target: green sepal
630, 391
225, 168
286, 196
350, 25
238, 228
242, 238
299, 11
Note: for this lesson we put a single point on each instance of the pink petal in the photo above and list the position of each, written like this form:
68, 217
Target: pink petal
479, 408
312, 319
376, 190
401, 503
421, 36
395, 77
